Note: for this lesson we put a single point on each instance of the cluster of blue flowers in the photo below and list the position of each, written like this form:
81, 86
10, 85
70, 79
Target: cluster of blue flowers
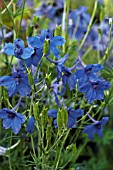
88, 82
79, 20
86, 79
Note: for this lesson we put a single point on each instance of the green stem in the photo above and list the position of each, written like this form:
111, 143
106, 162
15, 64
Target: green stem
21, 18
81, 149
63, 142
9, 15
89, 26
42, 147
33, 147
7, 7
107, 51
9, 156
3, 39
65, 21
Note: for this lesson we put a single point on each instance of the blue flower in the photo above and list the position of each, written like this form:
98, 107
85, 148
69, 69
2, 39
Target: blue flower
38, 42
18, 49
52, 113
87, 73
30, 125
96, 128
18, 82
35, 58
73, 115
80, 20
12, 120
47, 10
50, 10
53, 41
55, 86
93, 38
68, 78
94, 90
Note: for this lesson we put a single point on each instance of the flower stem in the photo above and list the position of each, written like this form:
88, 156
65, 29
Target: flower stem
63, 142
89, 26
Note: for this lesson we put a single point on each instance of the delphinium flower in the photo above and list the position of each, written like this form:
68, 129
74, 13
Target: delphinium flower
52, 10
79, 21
88, 72
30, 125
68, 78
17, 82
92, 39
94, 89
47, 10
95, 128
64, 73
73, 115
11, 119
104, 38
55, 87
18, 50
54, 41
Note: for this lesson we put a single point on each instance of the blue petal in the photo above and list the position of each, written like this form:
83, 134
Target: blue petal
16, 125
55, 51
104, 84
24, 88
46, 34
52, 113
57, 41
90, 95
9, 49
104, 120
3, 114
35, 42
7, 123
90, 130
99, 132
72, 81
19, 43
97, 67
27, 52
30, 125
36, 58
12, 89
80, 74
22, 117
99, 94
6, 80
28, 62
84, 87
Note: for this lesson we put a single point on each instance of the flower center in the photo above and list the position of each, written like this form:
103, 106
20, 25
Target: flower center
98, 125
95, 85
88, 71
11, 115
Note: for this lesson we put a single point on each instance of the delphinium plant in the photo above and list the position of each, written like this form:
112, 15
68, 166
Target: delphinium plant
50, 107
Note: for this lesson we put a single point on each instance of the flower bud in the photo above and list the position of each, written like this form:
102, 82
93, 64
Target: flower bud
59, 121
44, 117
48, 133
46, 47
36, 111
58, 30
